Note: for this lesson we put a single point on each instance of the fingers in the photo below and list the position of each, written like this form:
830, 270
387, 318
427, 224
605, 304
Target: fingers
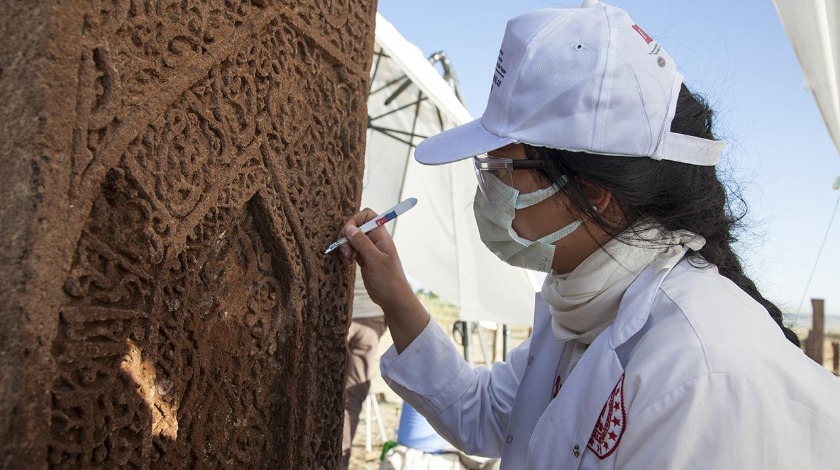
377, 255
361, 217
348, 252
370, 246
361, 243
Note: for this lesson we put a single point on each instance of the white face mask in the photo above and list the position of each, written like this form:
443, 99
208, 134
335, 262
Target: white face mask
495, 225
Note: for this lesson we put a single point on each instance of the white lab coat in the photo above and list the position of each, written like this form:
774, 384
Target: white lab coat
693, 373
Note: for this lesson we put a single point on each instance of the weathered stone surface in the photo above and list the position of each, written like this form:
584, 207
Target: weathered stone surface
172, 171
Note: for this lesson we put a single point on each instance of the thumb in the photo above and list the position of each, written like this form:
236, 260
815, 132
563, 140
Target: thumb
360, 242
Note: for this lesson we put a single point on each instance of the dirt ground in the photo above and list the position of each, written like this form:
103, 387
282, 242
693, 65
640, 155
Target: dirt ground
359, 458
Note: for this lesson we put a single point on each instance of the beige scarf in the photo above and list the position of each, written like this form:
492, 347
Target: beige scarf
584, 302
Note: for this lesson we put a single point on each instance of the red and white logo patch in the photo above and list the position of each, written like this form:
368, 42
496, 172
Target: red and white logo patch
643, 34
610, 426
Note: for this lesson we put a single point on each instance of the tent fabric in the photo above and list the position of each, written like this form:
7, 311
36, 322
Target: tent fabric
813, 27
438, 240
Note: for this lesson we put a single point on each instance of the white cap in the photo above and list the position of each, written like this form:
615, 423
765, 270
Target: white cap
582, 79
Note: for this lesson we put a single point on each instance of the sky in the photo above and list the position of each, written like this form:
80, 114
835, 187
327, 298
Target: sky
738, 56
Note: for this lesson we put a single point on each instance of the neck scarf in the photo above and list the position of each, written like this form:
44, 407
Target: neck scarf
584, 302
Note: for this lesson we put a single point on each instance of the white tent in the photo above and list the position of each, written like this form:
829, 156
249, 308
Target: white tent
438, 240
813, 27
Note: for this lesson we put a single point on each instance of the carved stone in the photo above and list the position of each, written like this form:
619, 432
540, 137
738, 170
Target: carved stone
172, 172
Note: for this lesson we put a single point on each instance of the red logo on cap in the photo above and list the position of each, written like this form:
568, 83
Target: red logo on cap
643, 34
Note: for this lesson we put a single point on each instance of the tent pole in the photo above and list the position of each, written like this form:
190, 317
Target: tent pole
484, 350
505, 341
468, 341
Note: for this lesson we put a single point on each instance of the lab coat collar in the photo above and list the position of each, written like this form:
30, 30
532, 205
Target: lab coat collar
533, 396
636, 304
575, 411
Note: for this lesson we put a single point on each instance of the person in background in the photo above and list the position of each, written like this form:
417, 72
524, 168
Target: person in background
596, 164
366, 328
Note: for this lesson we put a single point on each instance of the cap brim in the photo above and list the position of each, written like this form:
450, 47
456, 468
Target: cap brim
459, 143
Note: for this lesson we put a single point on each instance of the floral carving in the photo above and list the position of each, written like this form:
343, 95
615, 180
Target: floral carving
214, 154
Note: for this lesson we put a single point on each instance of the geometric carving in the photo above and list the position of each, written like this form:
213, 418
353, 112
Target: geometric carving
211, 151
222, 353
98, 416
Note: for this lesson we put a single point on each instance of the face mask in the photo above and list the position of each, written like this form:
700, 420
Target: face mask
495, 225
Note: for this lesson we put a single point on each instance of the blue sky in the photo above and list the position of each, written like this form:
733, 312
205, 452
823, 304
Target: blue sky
738, 56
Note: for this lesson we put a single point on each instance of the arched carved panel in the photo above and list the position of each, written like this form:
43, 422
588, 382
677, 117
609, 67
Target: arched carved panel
214, 150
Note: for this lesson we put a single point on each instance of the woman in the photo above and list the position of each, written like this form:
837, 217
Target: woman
600, 170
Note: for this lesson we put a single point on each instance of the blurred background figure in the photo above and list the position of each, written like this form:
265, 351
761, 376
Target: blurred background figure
366, 328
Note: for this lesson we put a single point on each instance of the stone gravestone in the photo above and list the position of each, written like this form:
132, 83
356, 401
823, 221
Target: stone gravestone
172, 171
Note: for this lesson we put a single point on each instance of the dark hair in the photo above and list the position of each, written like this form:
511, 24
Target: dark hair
676, 196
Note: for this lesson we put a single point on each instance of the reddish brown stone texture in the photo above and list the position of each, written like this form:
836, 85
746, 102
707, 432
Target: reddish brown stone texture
172, 171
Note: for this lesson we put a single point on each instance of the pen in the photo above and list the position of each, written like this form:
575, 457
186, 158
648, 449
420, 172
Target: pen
380, 219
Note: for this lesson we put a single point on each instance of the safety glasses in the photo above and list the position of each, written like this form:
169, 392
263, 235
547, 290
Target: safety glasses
501, 168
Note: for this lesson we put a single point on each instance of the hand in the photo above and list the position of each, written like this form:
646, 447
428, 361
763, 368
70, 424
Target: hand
384, 278
377, 255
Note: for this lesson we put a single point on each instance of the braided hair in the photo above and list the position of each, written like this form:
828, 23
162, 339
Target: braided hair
673, 195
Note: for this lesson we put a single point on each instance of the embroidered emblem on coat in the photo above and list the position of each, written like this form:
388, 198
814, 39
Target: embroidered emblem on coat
610, 426
556, 388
